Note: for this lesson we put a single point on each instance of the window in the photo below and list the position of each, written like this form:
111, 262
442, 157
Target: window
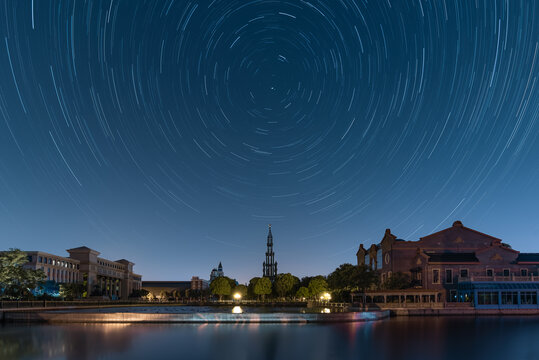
523, 272
449, 276
452, 295
490, 272
487, 298
30, 258
54, 262
528, 298
367, 259
435, 276
40, 259
463, 273
388, 274
506, 272
509, 297
379, 261
383, 277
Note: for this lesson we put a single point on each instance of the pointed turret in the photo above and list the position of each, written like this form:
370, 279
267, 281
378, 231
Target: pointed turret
269, 266
270, 236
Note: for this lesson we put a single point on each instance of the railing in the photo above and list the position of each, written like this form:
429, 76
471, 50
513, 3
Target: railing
28, 304
498, 278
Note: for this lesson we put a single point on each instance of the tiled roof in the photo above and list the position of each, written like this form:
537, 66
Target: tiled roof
528, 257
452, 257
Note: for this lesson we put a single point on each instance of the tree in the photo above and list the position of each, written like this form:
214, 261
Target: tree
71, 291
241, 289
302, 293
139, 293
398, 281
15, 280
317, 285
350, 277
220, 286
343, 277
263, 287
232, 282
285, 284
251, 287
305, 281
176, 295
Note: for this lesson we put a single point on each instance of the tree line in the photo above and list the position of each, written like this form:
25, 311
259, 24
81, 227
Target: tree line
18, 282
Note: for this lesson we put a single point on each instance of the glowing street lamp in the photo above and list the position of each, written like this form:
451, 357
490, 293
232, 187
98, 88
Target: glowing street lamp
237, 296
325, 296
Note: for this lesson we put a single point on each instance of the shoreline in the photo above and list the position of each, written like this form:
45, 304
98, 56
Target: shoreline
198, 318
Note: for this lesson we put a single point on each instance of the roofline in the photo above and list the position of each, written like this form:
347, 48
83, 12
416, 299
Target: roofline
81, 249
49, 254
462, 227
497, 247
452, 262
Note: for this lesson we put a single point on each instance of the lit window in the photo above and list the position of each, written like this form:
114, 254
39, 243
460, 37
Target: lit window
487, 298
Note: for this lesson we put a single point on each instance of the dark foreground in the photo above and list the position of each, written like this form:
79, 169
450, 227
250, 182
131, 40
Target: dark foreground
397, 338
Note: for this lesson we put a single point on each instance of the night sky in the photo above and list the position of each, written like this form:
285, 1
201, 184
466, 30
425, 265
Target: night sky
171, 133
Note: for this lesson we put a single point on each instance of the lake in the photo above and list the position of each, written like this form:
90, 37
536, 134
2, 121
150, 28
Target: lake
397, 338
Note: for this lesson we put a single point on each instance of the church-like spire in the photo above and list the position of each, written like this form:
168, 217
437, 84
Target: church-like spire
270, 236
269, 266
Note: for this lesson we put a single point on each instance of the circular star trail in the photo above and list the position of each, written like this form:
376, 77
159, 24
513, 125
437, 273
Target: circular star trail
189, 125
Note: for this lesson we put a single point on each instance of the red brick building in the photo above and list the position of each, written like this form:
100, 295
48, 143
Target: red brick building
453, 256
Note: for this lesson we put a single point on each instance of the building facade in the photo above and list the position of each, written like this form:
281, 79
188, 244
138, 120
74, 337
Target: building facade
461, 261
215, 273
114, 279
102, 277
199, 284
269, 267
57, 268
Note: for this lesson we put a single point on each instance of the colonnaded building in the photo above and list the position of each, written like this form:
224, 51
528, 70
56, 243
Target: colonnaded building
114, 279
463, 264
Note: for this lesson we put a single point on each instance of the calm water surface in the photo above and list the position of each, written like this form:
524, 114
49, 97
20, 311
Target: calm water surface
397, 338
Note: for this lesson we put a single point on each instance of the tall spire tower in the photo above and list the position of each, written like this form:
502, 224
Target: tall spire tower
269, 267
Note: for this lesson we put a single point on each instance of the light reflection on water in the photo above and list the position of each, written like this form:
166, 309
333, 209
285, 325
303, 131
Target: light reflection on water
398, 338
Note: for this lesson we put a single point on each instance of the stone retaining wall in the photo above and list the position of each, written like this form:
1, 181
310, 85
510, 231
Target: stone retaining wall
74, 317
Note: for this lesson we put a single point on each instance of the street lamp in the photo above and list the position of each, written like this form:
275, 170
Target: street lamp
237, 296
325, 296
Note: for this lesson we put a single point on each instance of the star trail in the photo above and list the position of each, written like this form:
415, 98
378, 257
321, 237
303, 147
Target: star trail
172, 132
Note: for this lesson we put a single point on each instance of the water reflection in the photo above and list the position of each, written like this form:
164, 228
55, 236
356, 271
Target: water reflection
399, 338
237, 310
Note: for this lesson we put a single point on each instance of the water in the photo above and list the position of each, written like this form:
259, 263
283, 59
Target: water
398, 338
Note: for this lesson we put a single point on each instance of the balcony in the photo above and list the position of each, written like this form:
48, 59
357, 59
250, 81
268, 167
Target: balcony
513, 278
